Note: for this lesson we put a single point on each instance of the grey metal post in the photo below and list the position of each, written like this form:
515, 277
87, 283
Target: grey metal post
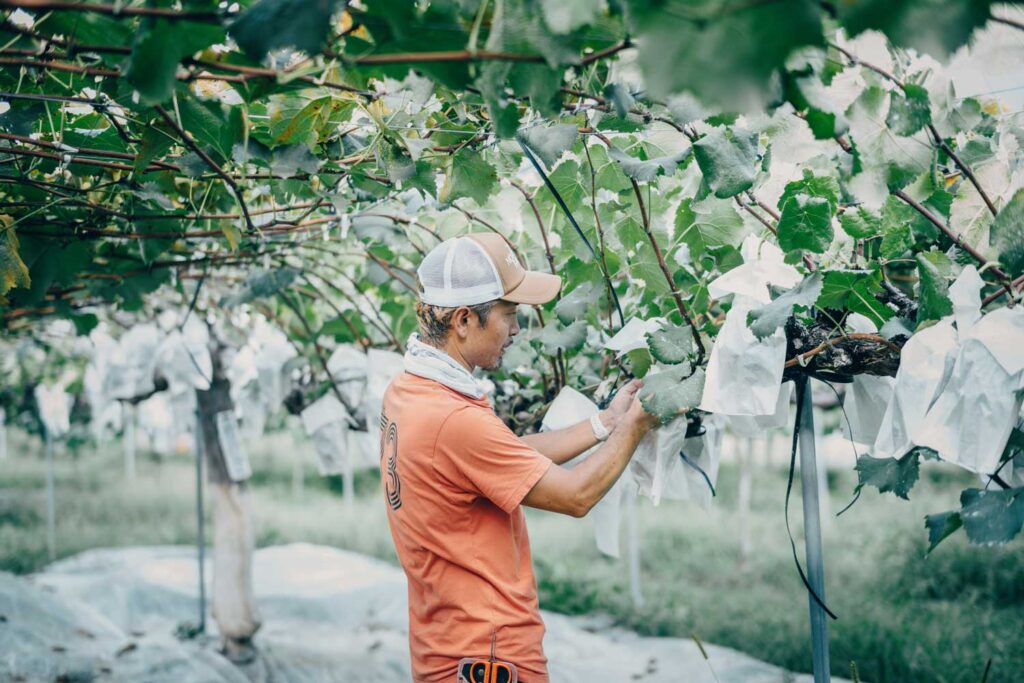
633, 526
200, 534
128, 413
51, 499
812, 538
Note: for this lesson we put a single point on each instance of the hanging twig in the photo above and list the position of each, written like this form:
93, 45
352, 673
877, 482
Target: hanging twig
191, 143
119, 10
933, 219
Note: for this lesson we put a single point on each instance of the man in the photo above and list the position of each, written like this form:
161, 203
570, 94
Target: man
455, 475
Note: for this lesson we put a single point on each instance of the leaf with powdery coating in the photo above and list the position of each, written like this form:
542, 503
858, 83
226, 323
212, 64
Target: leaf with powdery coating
765, 320
672, 392
671, 344
549, 142
726, 158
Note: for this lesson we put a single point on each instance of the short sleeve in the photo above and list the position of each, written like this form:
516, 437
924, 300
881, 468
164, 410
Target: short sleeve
477, 451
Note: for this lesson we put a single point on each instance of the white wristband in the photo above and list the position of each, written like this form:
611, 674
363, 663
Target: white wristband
600, 431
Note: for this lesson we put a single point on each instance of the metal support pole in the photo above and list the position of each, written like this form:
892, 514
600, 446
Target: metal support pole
128, 411
812, 538
51, 500
200, 534
633, 529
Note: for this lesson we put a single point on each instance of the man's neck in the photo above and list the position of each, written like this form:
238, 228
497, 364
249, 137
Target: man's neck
452, 351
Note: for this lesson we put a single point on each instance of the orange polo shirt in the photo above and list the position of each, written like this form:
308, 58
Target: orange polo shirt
454, 476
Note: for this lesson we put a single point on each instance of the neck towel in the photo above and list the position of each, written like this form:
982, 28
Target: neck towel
424, 360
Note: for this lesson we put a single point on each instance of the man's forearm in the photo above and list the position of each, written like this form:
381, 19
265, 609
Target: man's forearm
598, 473
562, 445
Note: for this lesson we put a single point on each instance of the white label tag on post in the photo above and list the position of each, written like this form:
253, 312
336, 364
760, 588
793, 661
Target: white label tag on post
235, 458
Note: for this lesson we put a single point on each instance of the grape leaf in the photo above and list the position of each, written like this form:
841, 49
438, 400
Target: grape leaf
934, 270
726, 157
563, 16
574, 305
723, 53
555, 337
672, 392
158, 48
550, 142
940, 526
646, 171
469, 175
909, 111
271, 24
896, 475
259, 284
707, 224
992, 517
671, 344
13, 272
805, 223
765, 320
935, 28
1007, 234
860, 223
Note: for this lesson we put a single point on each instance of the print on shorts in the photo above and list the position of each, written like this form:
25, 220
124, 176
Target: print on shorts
389, 446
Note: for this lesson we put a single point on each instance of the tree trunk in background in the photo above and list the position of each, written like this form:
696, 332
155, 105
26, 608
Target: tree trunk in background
234, 536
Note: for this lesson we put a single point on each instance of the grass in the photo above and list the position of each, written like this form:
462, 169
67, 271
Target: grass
903, 617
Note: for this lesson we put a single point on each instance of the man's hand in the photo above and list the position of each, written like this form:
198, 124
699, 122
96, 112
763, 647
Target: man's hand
619, 406
638, 415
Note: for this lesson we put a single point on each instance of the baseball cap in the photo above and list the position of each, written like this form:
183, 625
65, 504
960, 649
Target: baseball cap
480, 267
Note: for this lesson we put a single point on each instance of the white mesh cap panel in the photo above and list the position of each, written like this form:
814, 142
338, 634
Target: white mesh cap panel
458, 272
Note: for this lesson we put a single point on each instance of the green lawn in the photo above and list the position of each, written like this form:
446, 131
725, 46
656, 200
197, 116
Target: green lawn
902, 617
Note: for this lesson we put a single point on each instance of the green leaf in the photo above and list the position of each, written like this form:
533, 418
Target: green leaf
992, 517
573, 306
290, 160
764, 321
621, 98
807, 208
469, 176
259, 284
854, 290
563, 16
671, 344
708, 224
639, 361
155, 141
672, 392
940, 526
935, 27
909, 110
555, 337
13, 272
837, 286
934, 270
210, 125
159, 47
646, 171
724, 53
271, 24
863, 300
1007, 234
896, 240
896, 475
550, 142
860, 223
726, 157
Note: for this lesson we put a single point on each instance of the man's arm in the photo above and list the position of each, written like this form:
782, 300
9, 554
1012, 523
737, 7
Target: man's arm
574, 492
562, 445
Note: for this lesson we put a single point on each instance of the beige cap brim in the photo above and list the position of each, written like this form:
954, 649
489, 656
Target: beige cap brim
536, 288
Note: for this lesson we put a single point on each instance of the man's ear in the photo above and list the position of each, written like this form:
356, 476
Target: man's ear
460, 321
